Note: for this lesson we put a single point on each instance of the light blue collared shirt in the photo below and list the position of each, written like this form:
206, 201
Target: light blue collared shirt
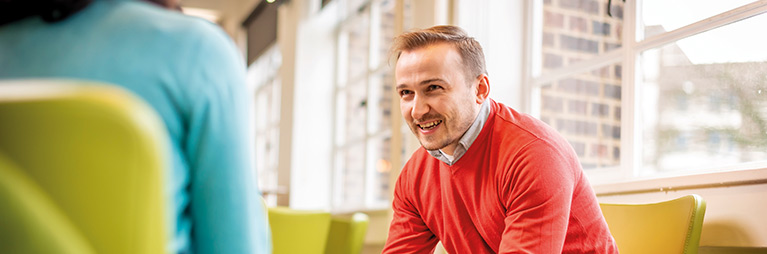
467, 139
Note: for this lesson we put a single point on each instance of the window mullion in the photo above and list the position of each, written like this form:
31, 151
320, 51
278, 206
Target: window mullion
532, 57
722, 19
631, 131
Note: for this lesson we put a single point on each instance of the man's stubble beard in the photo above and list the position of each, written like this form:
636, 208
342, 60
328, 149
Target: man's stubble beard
448, 140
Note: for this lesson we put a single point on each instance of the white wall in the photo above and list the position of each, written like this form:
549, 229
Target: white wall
313, 108
498, 25
736, 203
428, 13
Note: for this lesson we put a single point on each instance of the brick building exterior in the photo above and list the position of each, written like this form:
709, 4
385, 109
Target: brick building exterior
585, 107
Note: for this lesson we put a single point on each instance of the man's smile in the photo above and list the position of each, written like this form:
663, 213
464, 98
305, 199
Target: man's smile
429, 125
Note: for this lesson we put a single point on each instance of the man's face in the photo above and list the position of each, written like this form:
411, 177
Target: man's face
437, 100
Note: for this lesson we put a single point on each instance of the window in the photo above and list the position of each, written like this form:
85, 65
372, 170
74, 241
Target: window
651, 90
262, 74
363, 127
690, 69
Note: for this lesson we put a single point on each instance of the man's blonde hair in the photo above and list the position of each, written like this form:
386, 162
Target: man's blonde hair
469, 49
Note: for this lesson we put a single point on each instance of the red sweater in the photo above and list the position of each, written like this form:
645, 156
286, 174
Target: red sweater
519, 188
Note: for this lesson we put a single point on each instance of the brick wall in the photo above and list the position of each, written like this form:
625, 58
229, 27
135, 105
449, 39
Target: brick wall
584, 108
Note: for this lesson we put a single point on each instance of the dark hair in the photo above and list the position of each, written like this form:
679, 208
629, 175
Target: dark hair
470, 50
168, 4
51, 11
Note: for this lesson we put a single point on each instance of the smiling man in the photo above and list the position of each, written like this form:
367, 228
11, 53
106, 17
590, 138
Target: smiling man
487, 179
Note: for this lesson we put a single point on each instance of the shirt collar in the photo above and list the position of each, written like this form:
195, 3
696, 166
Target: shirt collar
468, 138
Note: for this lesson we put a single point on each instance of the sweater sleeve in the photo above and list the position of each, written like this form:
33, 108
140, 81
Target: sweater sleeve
225, 206
537, 194
408, 232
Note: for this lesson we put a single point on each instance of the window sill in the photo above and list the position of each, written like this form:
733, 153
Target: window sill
726, 250
686, 182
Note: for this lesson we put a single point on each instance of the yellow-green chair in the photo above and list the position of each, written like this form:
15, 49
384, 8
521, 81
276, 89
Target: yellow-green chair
347, 235
81, 170
672, 226
298, 231
30, 222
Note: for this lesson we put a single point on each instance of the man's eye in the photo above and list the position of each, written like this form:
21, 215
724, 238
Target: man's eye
434, 87
405, 92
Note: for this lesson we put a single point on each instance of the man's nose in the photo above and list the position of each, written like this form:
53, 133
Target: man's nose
420, 108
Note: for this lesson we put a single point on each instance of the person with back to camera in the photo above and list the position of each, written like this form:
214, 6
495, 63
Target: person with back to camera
487, 178
189, 71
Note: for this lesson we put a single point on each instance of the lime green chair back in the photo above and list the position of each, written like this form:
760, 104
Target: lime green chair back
87, 162
44, 228
298, 231
347, 235
672, 226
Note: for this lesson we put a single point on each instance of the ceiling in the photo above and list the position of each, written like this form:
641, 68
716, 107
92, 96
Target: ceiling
232, 12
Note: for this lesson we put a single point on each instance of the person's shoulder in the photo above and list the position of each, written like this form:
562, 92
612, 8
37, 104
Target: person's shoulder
527, 133
181, 38
521, 128
144, 18
510, 122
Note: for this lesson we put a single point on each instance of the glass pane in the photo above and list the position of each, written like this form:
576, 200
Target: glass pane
407, 15
274, 102
341, 118
353, 5
261, 162
381, 92
382, 32
358, 32
737, 42
350, 178
660, 16
585, 109
265, 67
273, 147
266, 159
356, 107
575, 30
262, 100
379, 166
343, 59
705, 108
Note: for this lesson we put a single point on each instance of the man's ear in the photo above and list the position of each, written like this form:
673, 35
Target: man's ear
483, 88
